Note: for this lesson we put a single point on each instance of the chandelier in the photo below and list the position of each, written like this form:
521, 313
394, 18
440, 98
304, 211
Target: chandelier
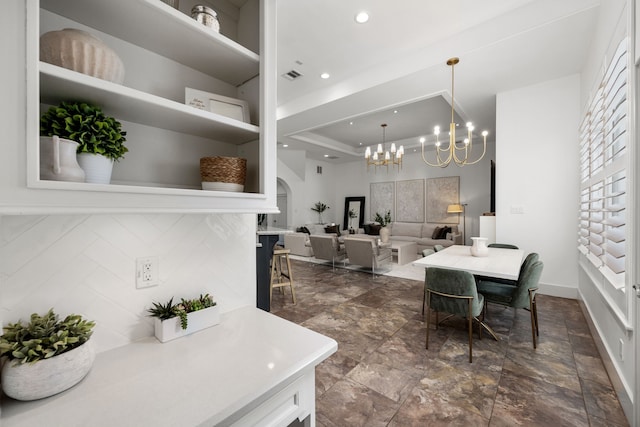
459, 152
384, 158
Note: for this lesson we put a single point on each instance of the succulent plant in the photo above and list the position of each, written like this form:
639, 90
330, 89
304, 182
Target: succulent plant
44, 337
181, 309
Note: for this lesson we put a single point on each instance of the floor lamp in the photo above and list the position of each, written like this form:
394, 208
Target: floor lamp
460, 209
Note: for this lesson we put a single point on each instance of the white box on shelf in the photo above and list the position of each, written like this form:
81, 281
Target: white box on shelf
170, 329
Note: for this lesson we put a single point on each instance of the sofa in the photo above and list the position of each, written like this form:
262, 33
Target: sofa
299, 244
423, 234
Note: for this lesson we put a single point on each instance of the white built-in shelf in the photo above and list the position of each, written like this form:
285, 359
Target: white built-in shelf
60, 84
159, 28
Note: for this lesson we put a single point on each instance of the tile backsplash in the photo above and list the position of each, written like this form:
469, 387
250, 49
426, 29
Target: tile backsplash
86, 264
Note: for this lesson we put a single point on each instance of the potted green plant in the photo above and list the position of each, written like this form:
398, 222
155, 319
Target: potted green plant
100, 138
385, 233
186, 317
320, 207
46, 355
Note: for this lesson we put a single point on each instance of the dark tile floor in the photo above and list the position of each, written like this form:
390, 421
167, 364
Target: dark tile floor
382, 375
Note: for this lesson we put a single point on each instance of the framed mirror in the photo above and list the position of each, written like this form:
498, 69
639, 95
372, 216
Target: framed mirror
355, 205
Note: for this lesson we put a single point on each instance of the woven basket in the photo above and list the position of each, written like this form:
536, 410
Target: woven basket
223, 169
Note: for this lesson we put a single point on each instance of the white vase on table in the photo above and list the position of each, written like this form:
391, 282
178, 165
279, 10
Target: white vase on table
479, 246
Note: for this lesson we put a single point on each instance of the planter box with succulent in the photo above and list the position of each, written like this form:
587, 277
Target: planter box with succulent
186, 317
100, 138
45, 356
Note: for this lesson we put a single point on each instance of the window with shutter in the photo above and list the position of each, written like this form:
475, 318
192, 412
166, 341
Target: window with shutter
603, 163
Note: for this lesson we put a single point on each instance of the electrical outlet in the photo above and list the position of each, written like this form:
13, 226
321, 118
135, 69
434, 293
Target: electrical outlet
147, 272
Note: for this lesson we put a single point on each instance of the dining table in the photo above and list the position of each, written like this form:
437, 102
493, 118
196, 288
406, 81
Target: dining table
499, 262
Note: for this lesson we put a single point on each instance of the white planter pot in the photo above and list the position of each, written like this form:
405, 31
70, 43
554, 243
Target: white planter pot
167, 330
479, 247
97, 168
385, 234
44, 378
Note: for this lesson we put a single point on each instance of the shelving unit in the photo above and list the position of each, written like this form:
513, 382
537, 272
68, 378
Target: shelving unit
165, 136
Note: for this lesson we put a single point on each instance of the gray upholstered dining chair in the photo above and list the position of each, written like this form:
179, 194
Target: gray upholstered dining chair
453, 292
366, 253
327, 247
518, 294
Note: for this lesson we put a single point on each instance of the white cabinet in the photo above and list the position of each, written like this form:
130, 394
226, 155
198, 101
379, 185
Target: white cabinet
164, 51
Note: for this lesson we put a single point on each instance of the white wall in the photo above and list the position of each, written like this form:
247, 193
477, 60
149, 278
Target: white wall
85, 264
537, 172
308, 189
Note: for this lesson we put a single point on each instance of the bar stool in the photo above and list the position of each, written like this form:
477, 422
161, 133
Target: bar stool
278, 275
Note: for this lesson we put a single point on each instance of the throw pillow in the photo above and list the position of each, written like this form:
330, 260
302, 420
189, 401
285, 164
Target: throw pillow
374, 229
305, 230
436, 233
332, 229
443, 232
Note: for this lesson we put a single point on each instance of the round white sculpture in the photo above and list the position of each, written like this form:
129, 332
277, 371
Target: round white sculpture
81, 51
385, 234
44, 378
479, 247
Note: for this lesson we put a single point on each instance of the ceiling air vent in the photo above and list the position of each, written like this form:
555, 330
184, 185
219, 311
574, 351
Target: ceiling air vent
332, 157
292, 75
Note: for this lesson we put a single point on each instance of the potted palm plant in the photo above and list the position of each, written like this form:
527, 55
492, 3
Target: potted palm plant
320, 207
45, 356
186, 317
100, 138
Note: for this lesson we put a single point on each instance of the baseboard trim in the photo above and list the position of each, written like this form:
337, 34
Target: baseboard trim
560, 291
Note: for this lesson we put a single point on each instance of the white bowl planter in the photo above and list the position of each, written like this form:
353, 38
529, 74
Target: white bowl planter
97, 168
167, 330
44, 378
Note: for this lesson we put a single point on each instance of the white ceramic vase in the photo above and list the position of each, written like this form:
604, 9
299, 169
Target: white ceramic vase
97, 168
58, 160
385, 234
170, 329
81, 51
479, 246
44, 378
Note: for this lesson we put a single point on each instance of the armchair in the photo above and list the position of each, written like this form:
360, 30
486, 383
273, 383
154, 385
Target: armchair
328, 248
453, 292
519, 294
298, 243
366, 252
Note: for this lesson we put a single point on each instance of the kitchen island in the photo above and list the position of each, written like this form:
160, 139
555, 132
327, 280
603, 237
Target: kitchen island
253, 368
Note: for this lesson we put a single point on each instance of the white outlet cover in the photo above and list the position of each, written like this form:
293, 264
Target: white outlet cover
147, 272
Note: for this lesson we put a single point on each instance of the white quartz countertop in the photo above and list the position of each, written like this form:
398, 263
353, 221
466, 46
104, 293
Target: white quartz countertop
272, 230
200, 379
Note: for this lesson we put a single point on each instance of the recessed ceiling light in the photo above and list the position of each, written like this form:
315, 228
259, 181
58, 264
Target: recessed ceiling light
285, 145
395, 111
326, 155
362, 17
351, 123
325, 75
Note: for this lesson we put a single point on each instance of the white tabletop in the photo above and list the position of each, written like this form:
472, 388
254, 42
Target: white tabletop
200, 379
502, 263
